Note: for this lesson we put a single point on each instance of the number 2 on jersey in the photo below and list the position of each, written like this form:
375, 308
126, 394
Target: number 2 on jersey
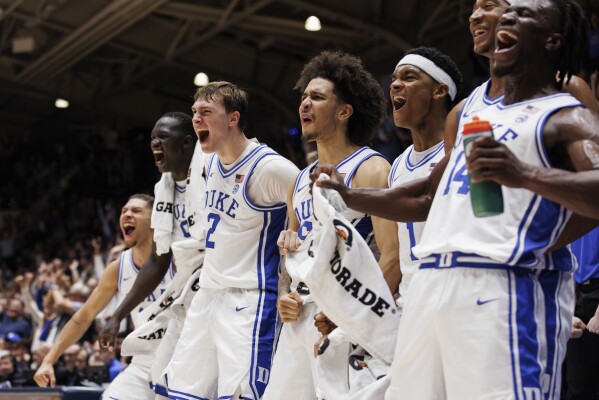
215, 219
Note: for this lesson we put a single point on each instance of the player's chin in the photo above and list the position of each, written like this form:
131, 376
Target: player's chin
130, 242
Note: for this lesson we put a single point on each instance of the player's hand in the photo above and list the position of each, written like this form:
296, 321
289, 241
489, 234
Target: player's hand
44, 375
108, 334
493, 161
288, 241
323, 324
578, 328
336, 182
593, 325
290, 306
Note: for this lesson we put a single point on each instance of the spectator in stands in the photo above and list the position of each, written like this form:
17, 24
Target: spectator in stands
67, 373
13, 320
107, 358
7, 369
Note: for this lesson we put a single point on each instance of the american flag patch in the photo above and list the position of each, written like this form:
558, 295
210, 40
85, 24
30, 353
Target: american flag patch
531, 109
239, 178
432, 166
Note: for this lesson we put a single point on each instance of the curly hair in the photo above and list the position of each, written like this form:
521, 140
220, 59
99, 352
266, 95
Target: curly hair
573, 27
352, 85
444, 62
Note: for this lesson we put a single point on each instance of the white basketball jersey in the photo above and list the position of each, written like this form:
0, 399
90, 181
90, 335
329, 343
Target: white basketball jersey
302, 200
180, 228
478, 100
529, 224
241, 237
128, 274
409, 166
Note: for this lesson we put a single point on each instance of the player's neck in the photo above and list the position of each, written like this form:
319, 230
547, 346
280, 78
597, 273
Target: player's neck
497, 87
230, 151
334, 148
529, 86
180, 173
141, 253
430, 131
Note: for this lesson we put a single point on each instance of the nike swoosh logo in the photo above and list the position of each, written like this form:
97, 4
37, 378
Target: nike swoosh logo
480, 302
302, 188
126, 278
240, 308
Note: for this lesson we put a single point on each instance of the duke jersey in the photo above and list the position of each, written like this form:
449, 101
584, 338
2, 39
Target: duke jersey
128, 274
409, 166
529, 224
241, 237
180, 228
302, 200
478, 100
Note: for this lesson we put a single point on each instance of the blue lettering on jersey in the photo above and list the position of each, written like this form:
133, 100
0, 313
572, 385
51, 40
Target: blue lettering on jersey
224, 202
508, 135
304, 218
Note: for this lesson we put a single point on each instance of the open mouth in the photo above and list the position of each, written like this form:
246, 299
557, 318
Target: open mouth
158, 156
479, 31
306, 118
203, 135
128, 229
505, 40
399, 102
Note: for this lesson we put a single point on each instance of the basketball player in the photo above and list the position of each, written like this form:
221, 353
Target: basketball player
424, 85
546, 173
116, 280
230, 329
172, 143
342, 105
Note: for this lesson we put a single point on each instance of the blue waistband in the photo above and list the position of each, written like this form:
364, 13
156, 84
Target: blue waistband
465, 260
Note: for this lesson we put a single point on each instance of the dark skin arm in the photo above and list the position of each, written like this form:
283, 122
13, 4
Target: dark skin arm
408, 203
571, 138
147, 280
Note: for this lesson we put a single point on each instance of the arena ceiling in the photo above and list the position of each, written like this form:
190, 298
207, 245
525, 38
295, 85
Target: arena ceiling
122, 63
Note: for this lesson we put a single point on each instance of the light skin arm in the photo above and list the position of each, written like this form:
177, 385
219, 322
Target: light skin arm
150, 275
373, 173
407, 203
451, 126
289, 303
24, 283
571, 139
79, 323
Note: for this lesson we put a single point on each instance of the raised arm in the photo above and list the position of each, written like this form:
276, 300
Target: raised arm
79, 323
408, 203
150, 275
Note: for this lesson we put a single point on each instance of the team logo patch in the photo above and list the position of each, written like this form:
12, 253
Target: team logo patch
344, 231
521, 118
235, 189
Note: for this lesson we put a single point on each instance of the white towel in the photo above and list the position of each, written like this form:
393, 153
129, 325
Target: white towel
162, 220
194, 194
347, 283
172, 304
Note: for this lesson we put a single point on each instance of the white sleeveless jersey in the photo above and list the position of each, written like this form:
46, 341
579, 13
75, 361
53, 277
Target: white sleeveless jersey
128, 274
180, 227
241, 237
302, 200
409, 166
476, 101
529, 224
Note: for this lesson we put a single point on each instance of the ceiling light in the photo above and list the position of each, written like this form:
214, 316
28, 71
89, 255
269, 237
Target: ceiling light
201, 79
61, 103
312, 24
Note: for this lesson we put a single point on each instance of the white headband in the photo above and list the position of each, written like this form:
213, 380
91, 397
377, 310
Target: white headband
430, 68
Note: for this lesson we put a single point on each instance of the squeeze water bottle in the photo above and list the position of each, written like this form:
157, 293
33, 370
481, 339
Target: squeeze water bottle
486, 197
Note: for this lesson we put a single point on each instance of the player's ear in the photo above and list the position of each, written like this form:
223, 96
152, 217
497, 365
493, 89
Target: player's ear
345, 112
554, 41
440, 91
234, 118
189, 141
